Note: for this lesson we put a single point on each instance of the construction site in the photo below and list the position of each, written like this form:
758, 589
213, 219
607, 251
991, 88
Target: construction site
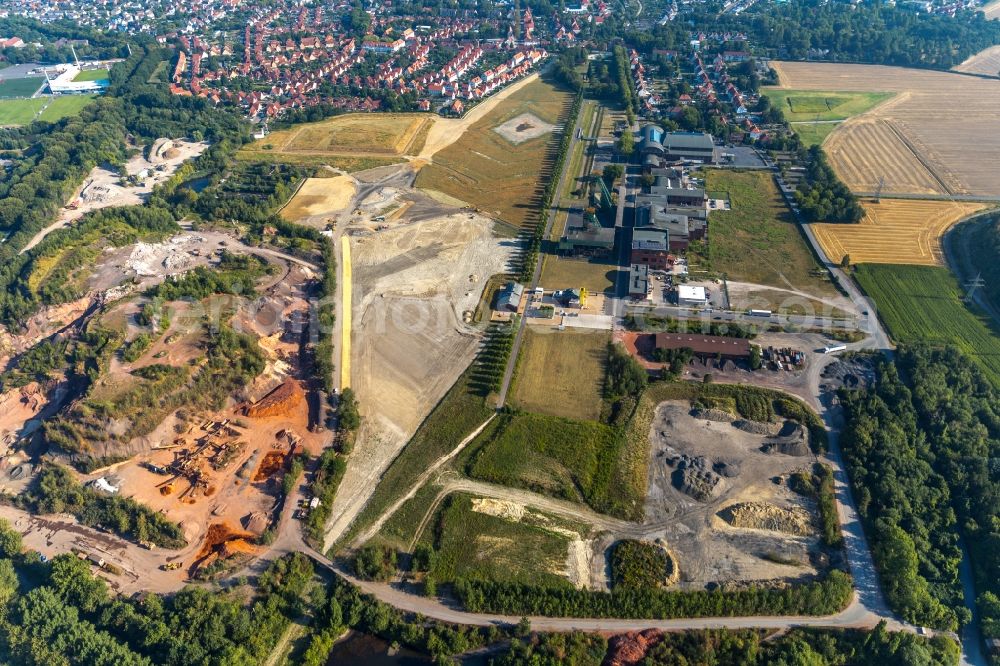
221, 478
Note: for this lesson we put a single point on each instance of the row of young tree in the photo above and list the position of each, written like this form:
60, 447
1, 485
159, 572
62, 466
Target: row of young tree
822, 597
530, 255
922, 447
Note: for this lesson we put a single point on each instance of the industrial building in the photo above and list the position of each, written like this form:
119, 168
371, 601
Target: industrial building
705, 346
688, 295
682, 225
586, 238
638, 282
509, 298
676, 146
571, 298
651, 247
63, 82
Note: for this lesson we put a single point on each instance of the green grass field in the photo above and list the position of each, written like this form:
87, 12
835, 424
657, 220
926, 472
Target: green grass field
923, 304
19, 111
471, 544
23, 111
561, 373
814, 134
758, 241
20, 87
93, 75
813, 105
595, 275
574, 460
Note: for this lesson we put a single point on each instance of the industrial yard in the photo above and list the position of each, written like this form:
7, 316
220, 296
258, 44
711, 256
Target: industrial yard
105, 187
718, 485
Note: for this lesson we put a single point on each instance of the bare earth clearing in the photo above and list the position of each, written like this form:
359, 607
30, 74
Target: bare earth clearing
707, 548
523, 127
412, 285
941, 135
319, 197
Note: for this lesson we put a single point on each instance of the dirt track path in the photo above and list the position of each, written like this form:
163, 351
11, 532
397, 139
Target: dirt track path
358, 503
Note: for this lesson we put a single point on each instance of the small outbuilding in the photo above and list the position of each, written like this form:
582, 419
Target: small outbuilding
509, 298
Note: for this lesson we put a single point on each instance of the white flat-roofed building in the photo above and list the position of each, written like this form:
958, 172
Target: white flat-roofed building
688, 295
63, 82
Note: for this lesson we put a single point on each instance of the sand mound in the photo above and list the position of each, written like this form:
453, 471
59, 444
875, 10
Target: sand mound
762, 516
282, 401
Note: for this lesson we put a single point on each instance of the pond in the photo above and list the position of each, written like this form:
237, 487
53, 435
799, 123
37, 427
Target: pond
368, 650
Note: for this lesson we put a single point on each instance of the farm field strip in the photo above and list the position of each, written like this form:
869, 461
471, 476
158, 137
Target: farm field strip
986, 61
924, 304
864, 150
895, 231
944, 120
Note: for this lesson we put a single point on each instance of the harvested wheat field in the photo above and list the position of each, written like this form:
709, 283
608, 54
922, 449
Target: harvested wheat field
992, 10
940, 135
351, 134
896, 231
985, 62
871, 148
320, 196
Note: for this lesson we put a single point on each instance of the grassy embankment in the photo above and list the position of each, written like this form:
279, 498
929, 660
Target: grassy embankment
527, 548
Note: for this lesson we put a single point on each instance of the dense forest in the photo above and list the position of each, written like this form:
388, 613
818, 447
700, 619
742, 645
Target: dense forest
58, 612
922, 448
822, 196
868, 32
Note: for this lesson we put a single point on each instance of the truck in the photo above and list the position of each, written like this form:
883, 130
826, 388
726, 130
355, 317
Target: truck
830, 349
759, 313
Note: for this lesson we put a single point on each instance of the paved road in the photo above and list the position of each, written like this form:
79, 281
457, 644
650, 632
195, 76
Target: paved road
855, 615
